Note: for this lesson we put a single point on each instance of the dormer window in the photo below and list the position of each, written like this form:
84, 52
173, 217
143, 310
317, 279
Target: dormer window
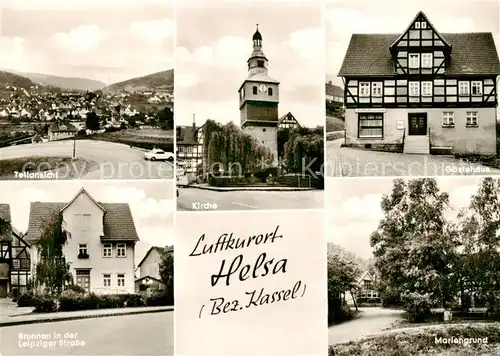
414, 60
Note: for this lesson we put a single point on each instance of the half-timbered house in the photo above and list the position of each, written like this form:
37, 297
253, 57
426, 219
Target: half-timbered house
189, 146
288, 121
422, 91
14, 257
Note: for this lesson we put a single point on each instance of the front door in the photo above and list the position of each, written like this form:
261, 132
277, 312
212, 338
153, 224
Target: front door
83, 279
417, 124
3, 288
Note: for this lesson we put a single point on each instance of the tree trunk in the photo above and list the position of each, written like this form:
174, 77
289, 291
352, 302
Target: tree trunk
353, 299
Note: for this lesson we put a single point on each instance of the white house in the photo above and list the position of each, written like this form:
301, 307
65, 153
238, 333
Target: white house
101, 244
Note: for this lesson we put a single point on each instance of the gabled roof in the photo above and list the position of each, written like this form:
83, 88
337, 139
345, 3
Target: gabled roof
288, 116
118, 221
366, 274
420, 15
161, 250
149, 277
187, 135
369, 55
83, 191
334, 90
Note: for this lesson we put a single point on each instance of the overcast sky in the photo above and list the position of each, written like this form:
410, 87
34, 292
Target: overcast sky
105, 40
151, 203
353, 207
387, 16
215, 41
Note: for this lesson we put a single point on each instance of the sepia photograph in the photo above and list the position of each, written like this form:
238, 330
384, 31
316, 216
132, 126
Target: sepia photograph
413, 266
412, 91
250, 112
86, 90
86, 268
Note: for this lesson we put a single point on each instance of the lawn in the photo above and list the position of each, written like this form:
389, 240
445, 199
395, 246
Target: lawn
65, 166
421, 341
334, 124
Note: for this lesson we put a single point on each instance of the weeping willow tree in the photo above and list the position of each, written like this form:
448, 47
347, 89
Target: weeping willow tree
304, 148
52, 270
225, 146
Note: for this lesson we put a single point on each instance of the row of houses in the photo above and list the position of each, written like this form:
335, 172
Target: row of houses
100, 249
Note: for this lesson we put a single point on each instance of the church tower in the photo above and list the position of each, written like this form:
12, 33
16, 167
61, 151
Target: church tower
259, 99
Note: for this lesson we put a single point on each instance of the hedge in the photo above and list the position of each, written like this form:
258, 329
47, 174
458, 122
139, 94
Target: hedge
71, 301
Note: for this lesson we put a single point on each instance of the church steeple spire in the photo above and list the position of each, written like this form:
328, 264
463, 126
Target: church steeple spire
257, 63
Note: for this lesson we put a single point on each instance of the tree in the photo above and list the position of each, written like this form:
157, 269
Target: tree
480, 245
228, 146
165, 118
305, 147
167, 274
92, 121
343, 272
414, 245
52, 270
4, 227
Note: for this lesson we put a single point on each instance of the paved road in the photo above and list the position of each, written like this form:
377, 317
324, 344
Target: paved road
139, 334
352, 162
371, 321
115, 161
249, 200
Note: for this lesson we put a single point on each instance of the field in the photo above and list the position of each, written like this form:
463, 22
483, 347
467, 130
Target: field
146, 139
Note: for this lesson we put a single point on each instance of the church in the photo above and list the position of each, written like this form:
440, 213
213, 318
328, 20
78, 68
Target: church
259, 117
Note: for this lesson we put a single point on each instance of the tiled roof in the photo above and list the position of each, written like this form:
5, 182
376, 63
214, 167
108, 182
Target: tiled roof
63, 127
334, 90
472, 53
186, 135
118, 221
5, 215
260, 77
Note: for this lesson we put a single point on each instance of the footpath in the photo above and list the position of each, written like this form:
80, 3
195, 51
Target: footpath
12, 315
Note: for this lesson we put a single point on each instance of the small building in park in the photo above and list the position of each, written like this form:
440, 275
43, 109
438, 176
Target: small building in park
422, 91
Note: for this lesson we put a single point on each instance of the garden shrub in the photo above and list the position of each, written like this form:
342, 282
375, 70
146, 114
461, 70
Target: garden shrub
26, 300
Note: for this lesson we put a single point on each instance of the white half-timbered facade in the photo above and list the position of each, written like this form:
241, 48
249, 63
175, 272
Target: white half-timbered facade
422, 91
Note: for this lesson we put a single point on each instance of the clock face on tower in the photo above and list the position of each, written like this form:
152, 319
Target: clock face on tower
262, 88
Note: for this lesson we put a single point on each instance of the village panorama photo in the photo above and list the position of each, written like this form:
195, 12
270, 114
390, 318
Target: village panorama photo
86, 267
250, 111
86, 90
412, 91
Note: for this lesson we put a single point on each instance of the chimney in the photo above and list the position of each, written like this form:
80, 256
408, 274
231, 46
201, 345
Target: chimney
195, 135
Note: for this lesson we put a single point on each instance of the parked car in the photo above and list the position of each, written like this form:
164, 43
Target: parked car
158, 155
